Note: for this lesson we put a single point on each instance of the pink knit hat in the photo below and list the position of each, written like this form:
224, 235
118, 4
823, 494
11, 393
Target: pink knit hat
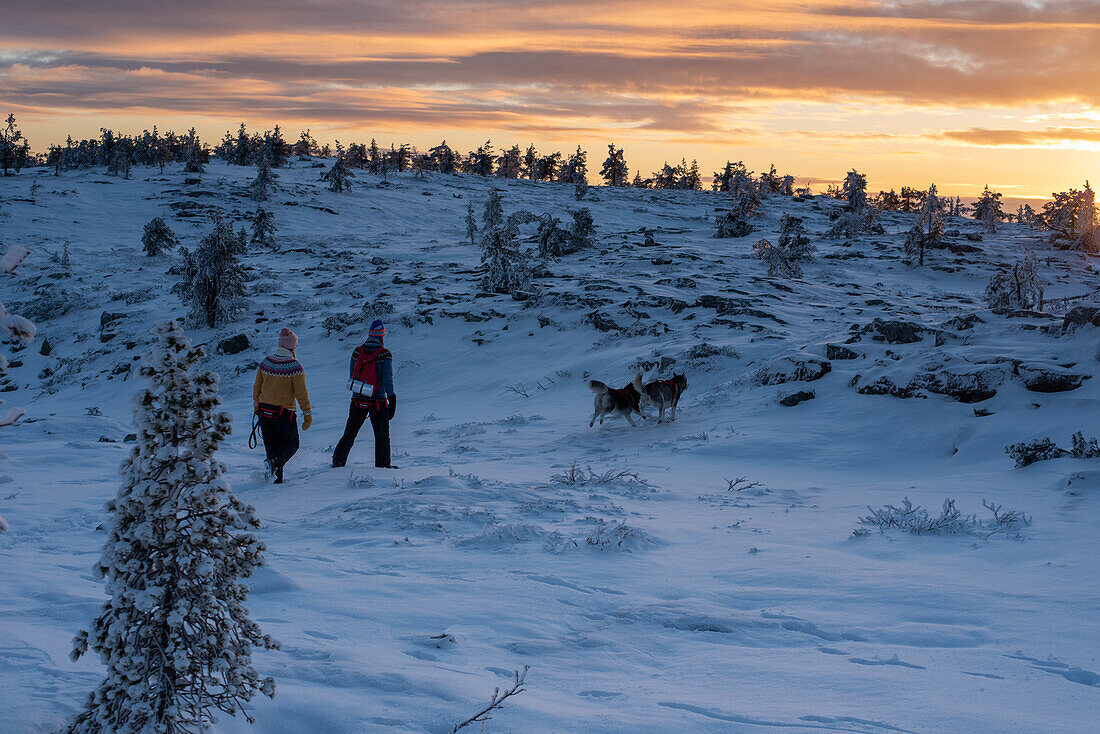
288, 339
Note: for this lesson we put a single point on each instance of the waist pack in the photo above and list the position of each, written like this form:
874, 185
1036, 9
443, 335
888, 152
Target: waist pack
274, 411
364, 375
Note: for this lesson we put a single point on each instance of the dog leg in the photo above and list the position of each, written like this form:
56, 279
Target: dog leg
661, 417
627, 414
673, 416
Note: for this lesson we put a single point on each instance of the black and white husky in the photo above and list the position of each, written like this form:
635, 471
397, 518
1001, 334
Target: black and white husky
661, 394
609, 400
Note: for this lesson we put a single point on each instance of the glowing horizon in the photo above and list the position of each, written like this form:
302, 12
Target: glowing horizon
911, 93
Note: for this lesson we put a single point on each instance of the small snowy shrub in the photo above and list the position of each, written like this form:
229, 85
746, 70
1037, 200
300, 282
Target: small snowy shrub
793, 239
174, 633
618, 536
1084, 448
917, 520
735, 222
777, 260
578, 476
158, 238
1017, 288
1026, 453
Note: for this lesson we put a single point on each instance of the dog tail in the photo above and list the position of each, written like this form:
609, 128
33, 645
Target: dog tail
638, 383
597, 387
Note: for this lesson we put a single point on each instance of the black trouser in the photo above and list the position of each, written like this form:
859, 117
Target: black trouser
280, 438
379, 421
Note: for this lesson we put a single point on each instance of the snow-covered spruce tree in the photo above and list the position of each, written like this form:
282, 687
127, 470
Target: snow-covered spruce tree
471, 223
263, 229
195, 154
212, 279
530, 167
509, 164
1025, 215
174, 633
15, 152
987, 209
690, 181
735, 222
480, 162
508, 264
158, 238
339, 176
793, 240
854, 191
857, 217
493, 215
1019, 287
779, 264
928, 230
614, 171
575, 170
264, 181
443, 158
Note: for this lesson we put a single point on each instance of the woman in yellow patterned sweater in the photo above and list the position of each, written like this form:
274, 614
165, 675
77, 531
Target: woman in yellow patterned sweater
280, 383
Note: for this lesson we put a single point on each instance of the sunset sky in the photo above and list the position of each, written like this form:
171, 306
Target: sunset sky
956, 93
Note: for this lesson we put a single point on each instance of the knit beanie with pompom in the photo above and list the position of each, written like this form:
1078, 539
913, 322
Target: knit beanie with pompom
288, 339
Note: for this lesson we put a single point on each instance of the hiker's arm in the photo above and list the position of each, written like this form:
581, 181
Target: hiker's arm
301, 393
385, 375
256, 389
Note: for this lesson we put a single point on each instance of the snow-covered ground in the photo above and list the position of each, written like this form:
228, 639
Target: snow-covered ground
645, 595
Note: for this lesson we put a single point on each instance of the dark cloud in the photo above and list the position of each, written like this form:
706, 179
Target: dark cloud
569, 65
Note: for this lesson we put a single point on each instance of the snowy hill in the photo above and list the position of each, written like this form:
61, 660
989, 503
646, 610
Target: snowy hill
645, 588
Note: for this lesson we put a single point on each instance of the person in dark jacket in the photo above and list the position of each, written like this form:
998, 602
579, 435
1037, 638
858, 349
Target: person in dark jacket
372, 396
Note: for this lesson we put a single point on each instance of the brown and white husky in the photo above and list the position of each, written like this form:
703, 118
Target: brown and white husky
661, 394
609, 400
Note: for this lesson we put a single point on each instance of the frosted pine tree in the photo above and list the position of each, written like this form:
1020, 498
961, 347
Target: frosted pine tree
779, 265
987, 209
158, 238
480, 162
614, 171
857, 217
508, 265
339, 176
509, 164
928, 230
793, 240
443, 158
194, 153
575, 170
1020, 287
264, 181
530, 166
212, 278
493, 216
735, 222
264, 229
175, 634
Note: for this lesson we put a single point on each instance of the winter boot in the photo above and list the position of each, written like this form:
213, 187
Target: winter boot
269, 469
278, 475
